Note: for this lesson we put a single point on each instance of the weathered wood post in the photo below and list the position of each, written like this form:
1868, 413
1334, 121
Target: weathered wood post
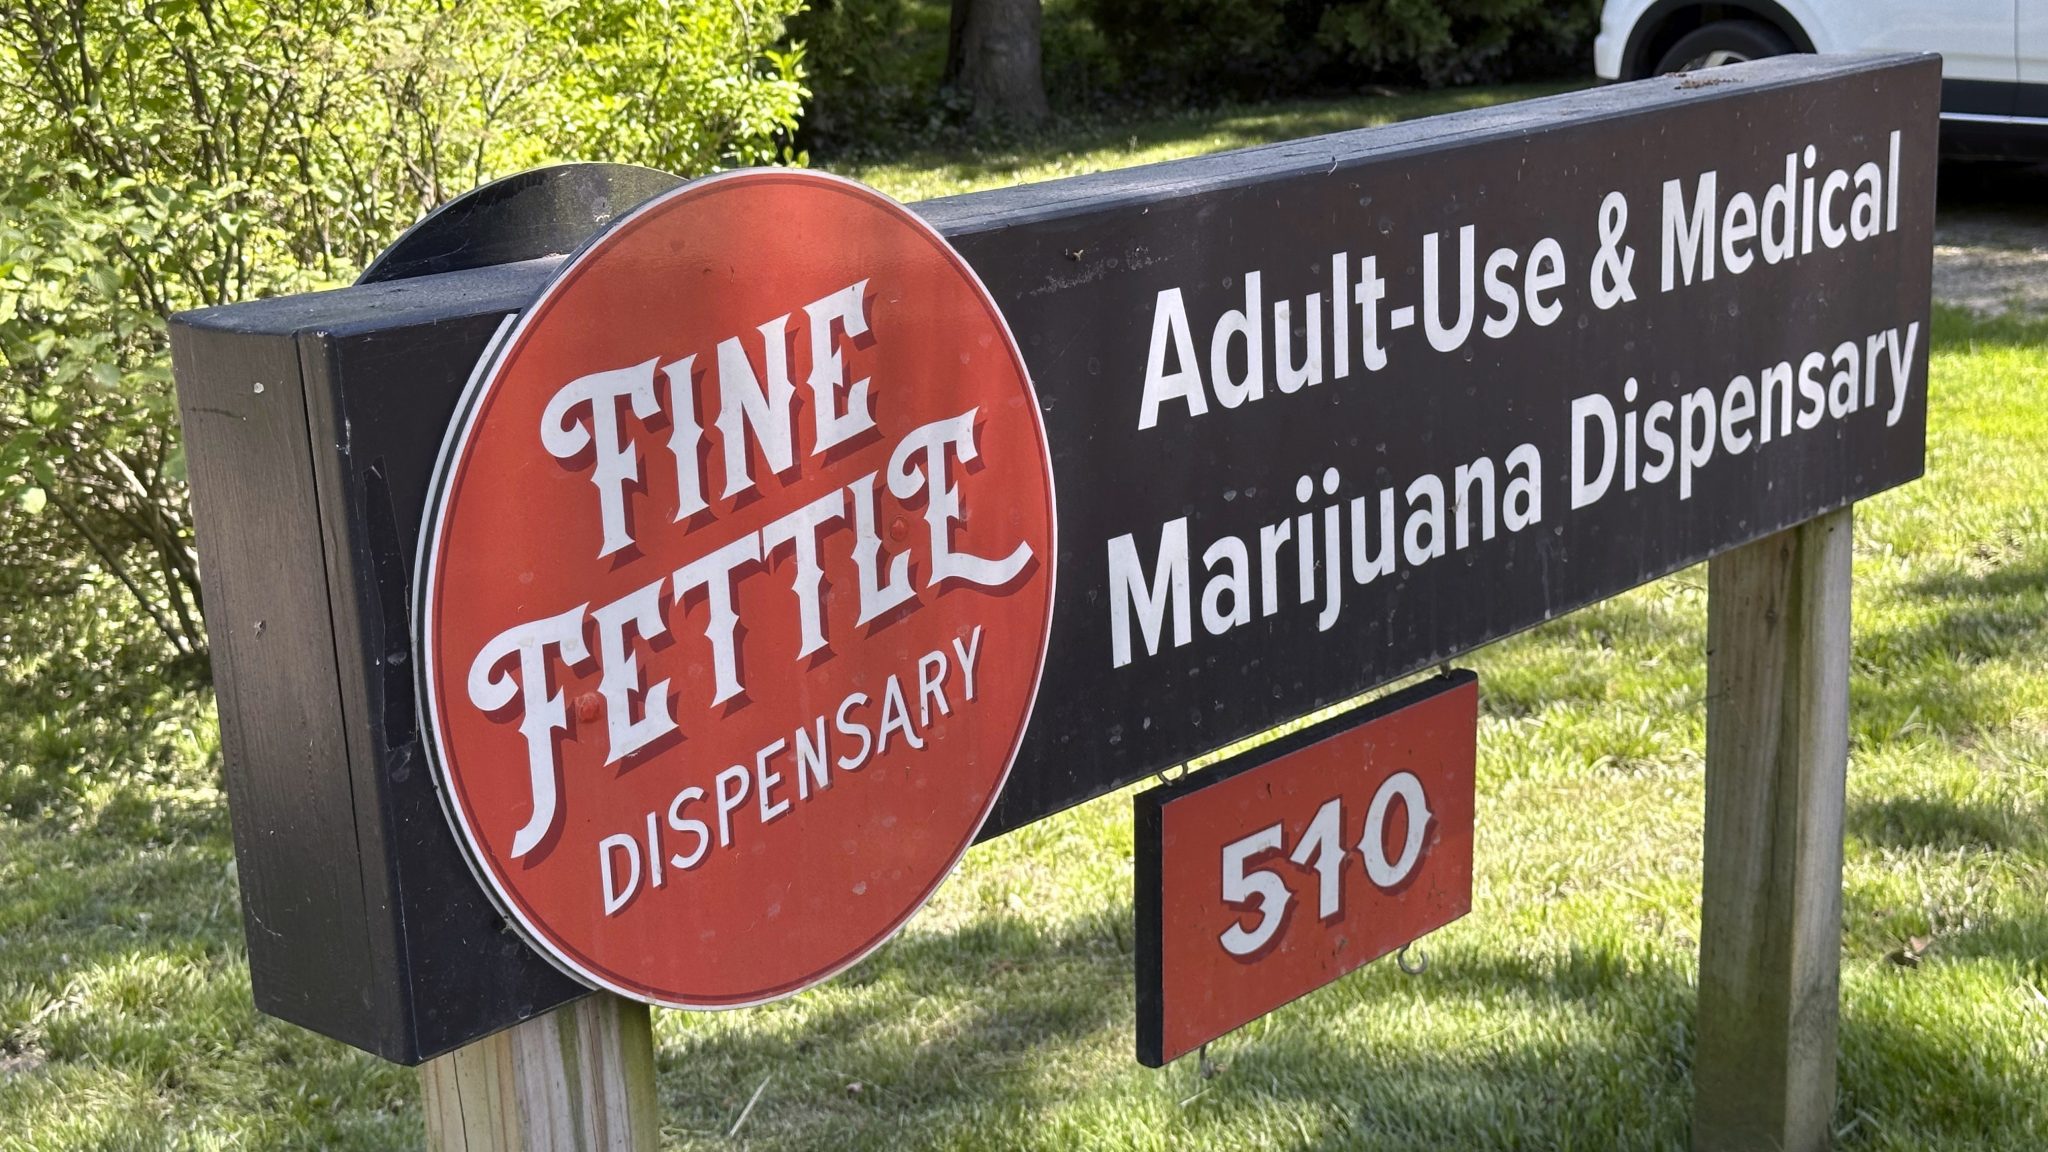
579, 1077
1771, 898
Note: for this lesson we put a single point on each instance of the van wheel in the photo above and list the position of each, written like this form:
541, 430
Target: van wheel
1724, 42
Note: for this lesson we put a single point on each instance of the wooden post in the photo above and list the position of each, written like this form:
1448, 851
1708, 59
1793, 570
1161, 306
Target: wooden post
580, 1077
1771, 899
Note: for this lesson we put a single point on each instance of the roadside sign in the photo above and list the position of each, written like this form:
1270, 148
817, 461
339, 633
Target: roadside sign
1322, 415
1270, 876
734, 589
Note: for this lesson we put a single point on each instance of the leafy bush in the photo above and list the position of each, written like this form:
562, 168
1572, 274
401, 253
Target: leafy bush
872, 67
170, 154
876, 69
1172, 48
1269, 47
1460, 41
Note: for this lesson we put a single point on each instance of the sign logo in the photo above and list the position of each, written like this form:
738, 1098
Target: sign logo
734, 589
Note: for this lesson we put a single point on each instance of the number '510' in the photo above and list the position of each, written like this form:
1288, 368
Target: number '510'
1262, 890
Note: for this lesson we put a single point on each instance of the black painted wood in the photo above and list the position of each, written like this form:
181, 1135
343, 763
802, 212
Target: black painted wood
543, 212
468, 973
1077, 265
291, 804
363, 920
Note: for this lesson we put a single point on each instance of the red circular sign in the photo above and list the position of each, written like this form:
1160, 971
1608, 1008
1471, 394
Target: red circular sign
734, 589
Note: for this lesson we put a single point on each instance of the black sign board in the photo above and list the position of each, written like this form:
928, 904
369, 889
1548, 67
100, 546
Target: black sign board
1449, 430
1320, 414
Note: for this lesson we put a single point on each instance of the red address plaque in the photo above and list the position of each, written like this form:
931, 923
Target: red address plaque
1269, 876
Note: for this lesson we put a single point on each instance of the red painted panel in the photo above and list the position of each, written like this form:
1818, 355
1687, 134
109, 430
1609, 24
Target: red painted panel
735, 589
1260, 883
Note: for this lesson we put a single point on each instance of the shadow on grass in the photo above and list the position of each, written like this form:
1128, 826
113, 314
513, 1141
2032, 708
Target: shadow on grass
1914, 823
1916, 659
1030, 1048
79, 903
1955, 924
1929, 670
944, 1036
125, 1007
1995, 615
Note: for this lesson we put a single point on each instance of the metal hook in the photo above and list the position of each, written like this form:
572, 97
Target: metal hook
1419, 967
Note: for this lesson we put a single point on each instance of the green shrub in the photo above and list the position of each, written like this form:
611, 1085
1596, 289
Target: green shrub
170, 154
1274, 47
1170, 48
1442, 42
871, 67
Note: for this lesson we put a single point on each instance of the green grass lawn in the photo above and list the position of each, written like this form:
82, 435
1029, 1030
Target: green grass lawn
1559, 1014
1096, 145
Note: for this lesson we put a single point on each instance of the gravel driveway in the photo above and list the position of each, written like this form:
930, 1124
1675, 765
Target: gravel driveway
1991, 238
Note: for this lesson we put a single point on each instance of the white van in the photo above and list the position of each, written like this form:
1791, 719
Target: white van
1994, 91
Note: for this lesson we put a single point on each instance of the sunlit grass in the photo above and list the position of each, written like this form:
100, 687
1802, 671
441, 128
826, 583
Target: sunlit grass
921, 175
1557, 1015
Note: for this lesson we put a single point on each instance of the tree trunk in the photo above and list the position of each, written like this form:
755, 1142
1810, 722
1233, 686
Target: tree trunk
992, 57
